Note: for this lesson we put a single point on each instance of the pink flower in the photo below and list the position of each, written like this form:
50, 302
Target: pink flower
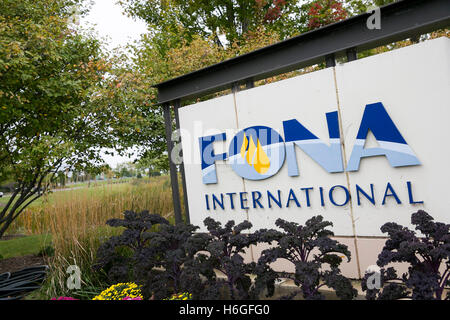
129, 298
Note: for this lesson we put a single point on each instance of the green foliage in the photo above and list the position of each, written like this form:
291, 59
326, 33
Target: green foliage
153, 166
50, 76
47, 251
156, 59
187, 36
355, 7
182, 21
213, 18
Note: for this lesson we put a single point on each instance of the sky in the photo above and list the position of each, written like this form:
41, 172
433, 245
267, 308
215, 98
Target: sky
107, 18
109, 21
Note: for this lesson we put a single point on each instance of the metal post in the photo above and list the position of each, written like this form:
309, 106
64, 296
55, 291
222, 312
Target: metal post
351, 54
235, 87
177, 104
172, 166
330, 61
249, 84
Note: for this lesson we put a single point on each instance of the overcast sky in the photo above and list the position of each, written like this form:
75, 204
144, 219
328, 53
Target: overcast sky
108, 20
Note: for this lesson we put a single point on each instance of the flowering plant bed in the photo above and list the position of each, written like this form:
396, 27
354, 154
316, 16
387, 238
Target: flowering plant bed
121, 291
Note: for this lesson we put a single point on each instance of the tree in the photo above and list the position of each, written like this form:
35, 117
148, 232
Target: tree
153, 166
138, 123
324, 12
185, 36
233, 19
154, 63
61, 178
50, 76
213, 18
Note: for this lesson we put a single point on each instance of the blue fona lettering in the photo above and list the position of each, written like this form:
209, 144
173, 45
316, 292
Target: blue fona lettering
259, 152
327, 156
390, 140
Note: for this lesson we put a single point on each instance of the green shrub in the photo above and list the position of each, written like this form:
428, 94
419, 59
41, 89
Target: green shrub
47, 251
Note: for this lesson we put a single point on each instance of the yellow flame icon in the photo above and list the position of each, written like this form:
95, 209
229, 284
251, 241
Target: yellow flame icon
254, 155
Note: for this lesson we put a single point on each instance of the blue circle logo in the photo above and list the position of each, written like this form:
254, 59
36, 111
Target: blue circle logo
257, 153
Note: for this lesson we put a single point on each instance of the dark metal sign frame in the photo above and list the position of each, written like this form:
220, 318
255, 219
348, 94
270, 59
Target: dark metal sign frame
399, 20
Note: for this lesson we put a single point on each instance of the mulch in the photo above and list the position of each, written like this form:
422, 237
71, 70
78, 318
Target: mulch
19, 263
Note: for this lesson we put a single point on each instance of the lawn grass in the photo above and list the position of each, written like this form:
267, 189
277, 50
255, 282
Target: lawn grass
4, 199
24, 245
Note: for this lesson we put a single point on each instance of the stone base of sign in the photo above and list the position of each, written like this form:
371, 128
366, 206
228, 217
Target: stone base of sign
287, 287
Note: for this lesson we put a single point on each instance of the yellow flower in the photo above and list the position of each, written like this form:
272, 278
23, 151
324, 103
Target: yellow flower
180, 296
120, 291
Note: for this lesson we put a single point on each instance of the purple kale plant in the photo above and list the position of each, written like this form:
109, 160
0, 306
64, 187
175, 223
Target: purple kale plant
166, 259
224, 253
153, 253
174, 248
315, 255
427, 255
120, 256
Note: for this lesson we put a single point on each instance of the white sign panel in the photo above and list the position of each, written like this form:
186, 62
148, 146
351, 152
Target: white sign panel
361, 144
